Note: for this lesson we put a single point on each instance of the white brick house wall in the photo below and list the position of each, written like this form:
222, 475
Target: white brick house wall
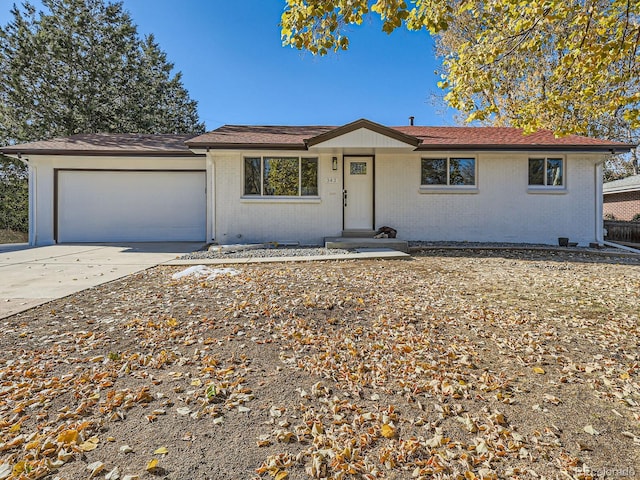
240, 219
502, 208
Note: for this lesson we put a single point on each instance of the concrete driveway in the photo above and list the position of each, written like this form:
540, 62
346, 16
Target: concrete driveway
31, 276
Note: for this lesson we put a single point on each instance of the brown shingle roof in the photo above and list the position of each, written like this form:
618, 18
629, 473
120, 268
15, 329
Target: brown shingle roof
258, 135
499, 137
432, 138
296, 137
106, 144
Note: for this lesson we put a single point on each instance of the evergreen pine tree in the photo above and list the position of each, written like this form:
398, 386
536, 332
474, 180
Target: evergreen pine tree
79, 66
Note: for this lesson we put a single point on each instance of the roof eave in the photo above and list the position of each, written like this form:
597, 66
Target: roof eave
247, 146
101, 153
630, 188
521, 148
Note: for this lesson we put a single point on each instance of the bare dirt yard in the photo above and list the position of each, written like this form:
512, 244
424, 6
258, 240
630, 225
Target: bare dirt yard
12, 236
451, 365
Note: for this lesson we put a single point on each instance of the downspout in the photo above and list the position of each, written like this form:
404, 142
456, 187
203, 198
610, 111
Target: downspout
32, 210
211, 200
33, 207
598, 202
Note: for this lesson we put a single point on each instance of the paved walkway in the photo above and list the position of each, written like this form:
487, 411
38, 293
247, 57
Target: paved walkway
358, 254
33, 276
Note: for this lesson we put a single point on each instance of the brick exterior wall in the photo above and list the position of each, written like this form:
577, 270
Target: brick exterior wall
623, 205
501, 209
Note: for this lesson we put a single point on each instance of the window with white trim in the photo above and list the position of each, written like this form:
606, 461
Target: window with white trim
281, 176
454, 171
546, 172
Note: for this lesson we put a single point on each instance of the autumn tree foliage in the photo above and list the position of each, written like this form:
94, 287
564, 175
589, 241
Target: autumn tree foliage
79, 66
571, 66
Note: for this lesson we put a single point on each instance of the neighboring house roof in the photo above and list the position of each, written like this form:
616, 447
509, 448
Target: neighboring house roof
425, 138
106, 144
628, 184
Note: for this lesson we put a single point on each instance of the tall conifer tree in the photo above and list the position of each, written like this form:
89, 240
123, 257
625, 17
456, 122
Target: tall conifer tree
79, 66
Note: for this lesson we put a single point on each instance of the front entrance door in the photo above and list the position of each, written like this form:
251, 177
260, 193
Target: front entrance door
358, 193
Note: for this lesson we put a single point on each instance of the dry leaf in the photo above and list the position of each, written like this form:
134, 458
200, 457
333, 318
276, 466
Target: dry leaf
161, 451
590, 430
538, 370
387, 431
68, 436
90, 444
113, 474
95, 468
5, 470
152, 465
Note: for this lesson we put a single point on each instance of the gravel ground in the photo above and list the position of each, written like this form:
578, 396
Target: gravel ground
418, 247
417, 244
266, 253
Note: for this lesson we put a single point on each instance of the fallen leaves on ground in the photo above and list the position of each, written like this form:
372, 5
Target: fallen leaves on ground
463, 367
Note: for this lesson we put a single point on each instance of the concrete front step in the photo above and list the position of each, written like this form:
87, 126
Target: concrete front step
354, 242
361, 233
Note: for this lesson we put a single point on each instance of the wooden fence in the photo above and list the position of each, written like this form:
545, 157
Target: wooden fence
622, 231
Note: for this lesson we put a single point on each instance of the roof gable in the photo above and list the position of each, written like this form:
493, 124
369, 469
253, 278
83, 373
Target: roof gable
363, 133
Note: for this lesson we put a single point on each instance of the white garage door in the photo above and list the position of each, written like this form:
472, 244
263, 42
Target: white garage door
110, 206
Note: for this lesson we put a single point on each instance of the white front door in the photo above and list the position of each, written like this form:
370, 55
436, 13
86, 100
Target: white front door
358, 193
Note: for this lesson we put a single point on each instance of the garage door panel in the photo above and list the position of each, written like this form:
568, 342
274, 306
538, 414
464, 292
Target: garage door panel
109, 206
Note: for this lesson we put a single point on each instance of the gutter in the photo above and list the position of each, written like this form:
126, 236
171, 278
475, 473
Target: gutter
630, 188
17, 152
623, 247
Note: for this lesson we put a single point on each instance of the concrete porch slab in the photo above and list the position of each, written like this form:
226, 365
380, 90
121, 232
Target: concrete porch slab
354, 242
359, 254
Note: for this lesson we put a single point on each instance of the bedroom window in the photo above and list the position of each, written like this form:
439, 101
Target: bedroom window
546, 172
448, 172
281, 176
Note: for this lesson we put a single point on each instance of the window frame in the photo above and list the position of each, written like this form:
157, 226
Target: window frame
450, 187
262, 195
545, 187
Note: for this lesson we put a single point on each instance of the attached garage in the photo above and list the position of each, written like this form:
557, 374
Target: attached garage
129, 206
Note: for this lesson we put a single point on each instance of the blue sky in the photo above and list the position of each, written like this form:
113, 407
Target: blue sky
234, 65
